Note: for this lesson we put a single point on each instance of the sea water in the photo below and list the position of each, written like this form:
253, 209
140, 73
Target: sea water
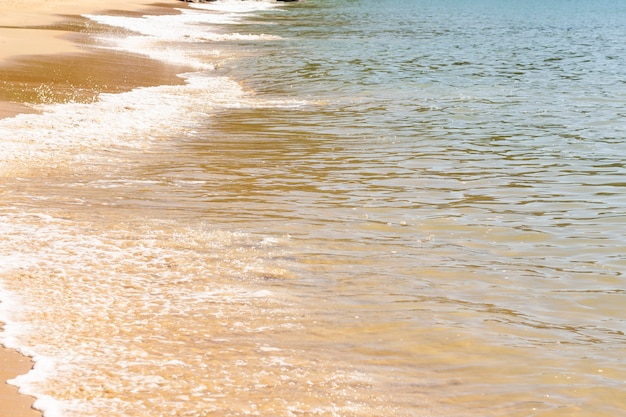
350, 208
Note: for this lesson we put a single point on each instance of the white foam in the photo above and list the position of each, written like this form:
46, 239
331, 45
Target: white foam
12, 261
151, 48
186, 27
84, 281
237, 6
160, 37
70, 267
72, 132
189, 25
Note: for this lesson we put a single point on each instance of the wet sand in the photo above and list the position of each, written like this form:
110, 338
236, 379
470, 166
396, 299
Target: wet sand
45, 58
12, 404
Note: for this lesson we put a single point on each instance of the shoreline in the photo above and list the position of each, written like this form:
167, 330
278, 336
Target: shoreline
12, 403
38, 35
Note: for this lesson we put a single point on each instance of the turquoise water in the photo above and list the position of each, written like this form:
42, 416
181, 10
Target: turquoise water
352, 208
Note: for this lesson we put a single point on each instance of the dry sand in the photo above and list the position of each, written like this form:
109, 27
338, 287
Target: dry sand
35, 36
34, 39
23, 22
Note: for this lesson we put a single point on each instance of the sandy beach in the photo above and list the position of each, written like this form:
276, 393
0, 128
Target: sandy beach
34, 38
27, 27
11, 403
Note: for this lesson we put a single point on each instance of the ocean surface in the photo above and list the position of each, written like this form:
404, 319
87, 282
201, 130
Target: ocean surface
350, 208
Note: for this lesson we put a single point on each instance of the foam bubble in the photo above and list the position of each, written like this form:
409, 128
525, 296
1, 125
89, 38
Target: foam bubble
237, 6
160, 37
115, 309
190, 25
110, 306
151, 48
185, 27
64, 132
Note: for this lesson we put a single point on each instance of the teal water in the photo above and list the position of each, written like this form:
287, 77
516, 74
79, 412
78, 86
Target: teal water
366, 208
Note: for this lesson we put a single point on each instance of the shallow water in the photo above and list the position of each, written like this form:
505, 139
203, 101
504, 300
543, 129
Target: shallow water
352, 208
